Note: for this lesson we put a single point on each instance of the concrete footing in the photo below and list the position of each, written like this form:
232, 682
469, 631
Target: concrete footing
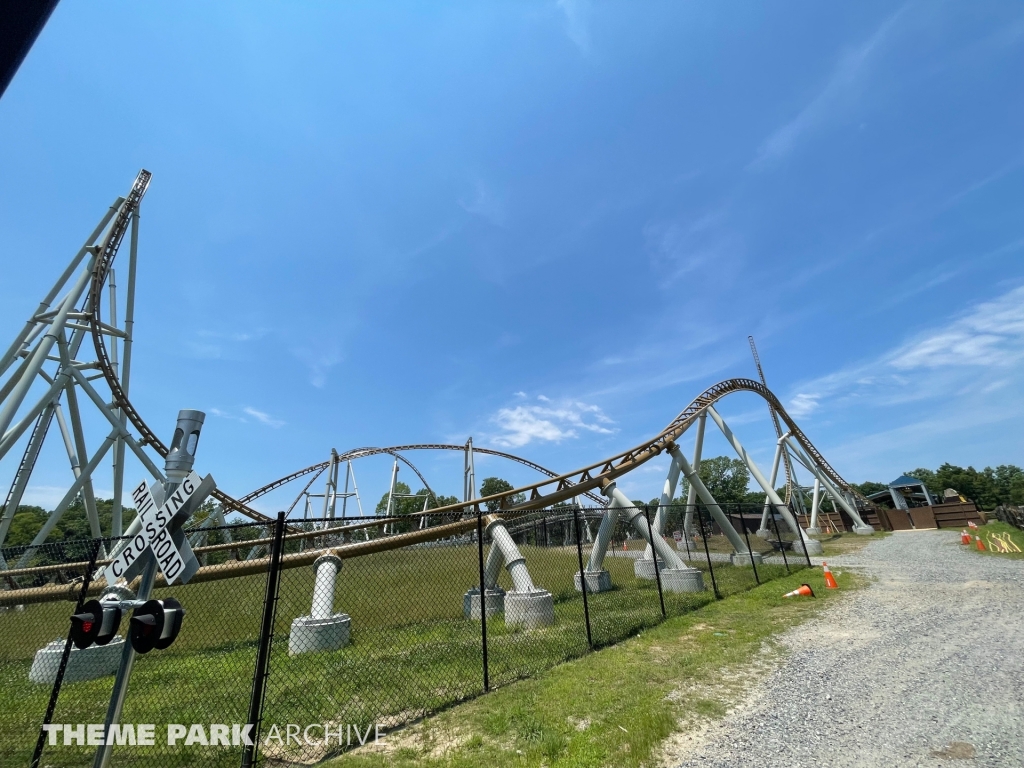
495, 602
643, 567
763, 533
83, 664
310, 635
681, 580
816, 531
597, 581
865, 530
530, 610
813, 547
743, 558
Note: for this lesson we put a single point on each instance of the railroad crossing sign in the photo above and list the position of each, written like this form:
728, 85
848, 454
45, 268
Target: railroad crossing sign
160, 532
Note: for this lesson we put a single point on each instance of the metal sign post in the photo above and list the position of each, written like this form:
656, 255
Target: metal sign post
158, 543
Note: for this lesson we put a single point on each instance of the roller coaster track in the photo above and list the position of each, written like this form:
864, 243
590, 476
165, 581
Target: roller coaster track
554, 488
119, 399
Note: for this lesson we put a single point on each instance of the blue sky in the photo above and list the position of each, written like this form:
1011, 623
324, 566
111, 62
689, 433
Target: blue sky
546, 225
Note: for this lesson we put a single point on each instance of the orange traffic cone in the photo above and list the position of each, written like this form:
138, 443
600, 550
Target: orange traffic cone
803, 591
965, 538
979, 543
972, 524
830, 580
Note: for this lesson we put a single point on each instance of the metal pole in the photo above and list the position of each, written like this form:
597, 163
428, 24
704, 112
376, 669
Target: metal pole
59, 680
691, 491
483, 597
177, 465
654, 557
746, 537
707, 553
583, 577
262, 671
782, 547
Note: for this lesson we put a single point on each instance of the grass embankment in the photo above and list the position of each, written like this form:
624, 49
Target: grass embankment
995, 535
615, 707
412, 651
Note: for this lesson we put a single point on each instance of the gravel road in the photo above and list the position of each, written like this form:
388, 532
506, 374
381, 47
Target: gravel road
923, 668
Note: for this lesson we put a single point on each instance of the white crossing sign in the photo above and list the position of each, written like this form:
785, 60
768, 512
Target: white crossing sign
155, 532
677, 535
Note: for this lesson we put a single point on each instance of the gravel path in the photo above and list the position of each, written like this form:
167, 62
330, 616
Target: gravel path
923, 668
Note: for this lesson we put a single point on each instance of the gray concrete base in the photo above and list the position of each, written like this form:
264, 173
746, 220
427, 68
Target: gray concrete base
530, 610
763, 533
83, 664
681, 580
643, 568
813, 531
743, 558
865, 530
681, 545
597, 581
310, 635
813, 547
495, 602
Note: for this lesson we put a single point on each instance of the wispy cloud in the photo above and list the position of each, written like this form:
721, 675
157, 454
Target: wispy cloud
252, 413
263, 418
680, 246
960, 357
553, 421
844, 77
577, 22
485, 204
319, 364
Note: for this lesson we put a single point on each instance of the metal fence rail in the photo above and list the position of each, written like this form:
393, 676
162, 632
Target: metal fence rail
357, 646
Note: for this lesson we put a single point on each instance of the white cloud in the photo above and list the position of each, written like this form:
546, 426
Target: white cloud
979, 352
263, 418
678, 247
552, 422
577, 22
319, 364
486, 205
802, 404
845, 75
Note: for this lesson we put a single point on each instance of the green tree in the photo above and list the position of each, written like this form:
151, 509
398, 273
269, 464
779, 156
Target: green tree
493, 485
727, 480
870, 486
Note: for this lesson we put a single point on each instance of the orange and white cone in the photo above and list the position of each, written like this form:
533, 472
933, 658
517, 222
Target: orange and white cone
979, 543
965, 538
804, 590
830, 580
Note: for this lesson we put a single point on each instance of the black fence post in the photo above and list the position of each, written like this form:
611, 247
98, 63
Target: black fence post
62, 668
707, 552
800, 535
483, 591
262, 671
750, 552
782, 546
654, 555
583, 575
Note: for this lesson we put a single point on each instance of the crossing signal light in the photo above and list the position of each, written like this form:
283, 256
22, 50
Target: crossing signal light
97, 623
155, 624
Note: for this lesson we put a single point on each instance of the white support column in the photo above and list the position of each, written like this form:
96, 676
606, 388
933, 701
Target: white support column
815, 502
741, 555
691, 491
780, 446
859, 525
813, 546
323, 629
676, 576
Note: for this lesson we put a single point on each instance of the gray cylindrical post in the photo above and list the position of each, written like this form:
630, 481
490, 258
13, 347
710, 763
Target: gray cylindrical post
177, 465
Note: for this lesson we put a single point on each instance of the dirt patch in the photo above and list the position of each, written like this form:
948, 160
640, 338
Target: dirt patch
956, 750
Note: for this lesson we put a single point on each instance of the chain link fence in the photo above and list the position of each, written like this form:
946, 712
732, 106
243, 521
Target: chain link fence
355, 628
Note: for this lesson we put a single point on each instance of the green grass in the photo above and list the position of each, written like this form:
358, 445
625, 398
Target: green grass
412, 652
988, 533
615, 707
